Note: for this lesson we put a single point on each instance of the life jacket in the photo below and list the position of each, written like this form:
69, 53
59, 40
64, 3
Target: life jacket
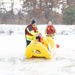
50, 29
26, 32
32, 28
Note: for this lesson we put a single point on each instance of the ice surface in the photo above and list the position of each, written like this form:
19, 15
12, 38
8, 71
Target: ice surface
12, 48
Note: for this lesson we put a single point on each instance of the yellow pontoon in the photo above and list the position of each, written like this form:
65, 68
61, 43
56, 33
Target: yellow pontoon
45, 49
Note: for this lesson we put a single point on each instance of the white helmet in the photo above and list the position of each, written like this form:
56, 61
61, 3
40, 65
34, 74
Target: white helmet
49, 23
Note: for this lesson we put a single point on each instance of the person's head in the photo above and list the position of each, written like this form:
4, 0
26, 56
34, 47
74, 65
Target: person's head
49, 23
33, 23
38, 38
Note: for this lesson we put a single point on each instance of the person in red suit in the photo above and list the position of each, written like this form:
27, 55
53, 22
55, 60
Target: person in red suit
31, 31
50, 30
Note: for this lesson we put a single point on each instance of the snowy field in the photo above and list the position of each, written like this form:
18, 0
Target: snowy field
12, 48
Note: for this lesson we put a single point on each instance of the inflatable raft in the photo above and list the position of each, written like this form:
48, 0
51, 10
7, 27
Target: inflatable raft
45, 49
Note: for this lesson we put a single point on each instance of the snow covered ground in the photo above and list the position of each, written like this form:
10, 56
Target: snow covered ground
12, 48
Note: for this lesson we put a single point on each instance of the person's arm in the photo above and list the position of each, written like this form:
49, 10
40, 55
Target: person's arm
30, 31
54, 29
37, 31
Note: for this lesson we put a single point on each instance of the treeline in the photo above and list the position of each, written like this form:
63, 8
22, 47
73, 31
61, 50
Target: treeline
40, 10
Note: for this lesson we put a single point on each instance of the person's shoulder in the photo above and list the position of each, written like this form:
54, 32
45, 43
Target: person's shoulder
49, 25
28, 25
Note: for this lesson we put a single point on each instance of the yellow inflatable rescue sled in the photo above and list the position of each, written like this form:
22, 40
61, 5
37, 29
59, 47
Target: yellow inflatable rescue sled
45, 49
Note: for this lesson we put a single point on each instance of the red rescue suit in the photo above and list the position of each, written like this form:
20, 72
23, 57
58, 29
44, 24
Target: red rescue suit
50, 30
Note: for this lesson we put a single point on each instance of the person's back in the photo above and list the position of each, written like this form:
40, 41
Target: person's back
27, 29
